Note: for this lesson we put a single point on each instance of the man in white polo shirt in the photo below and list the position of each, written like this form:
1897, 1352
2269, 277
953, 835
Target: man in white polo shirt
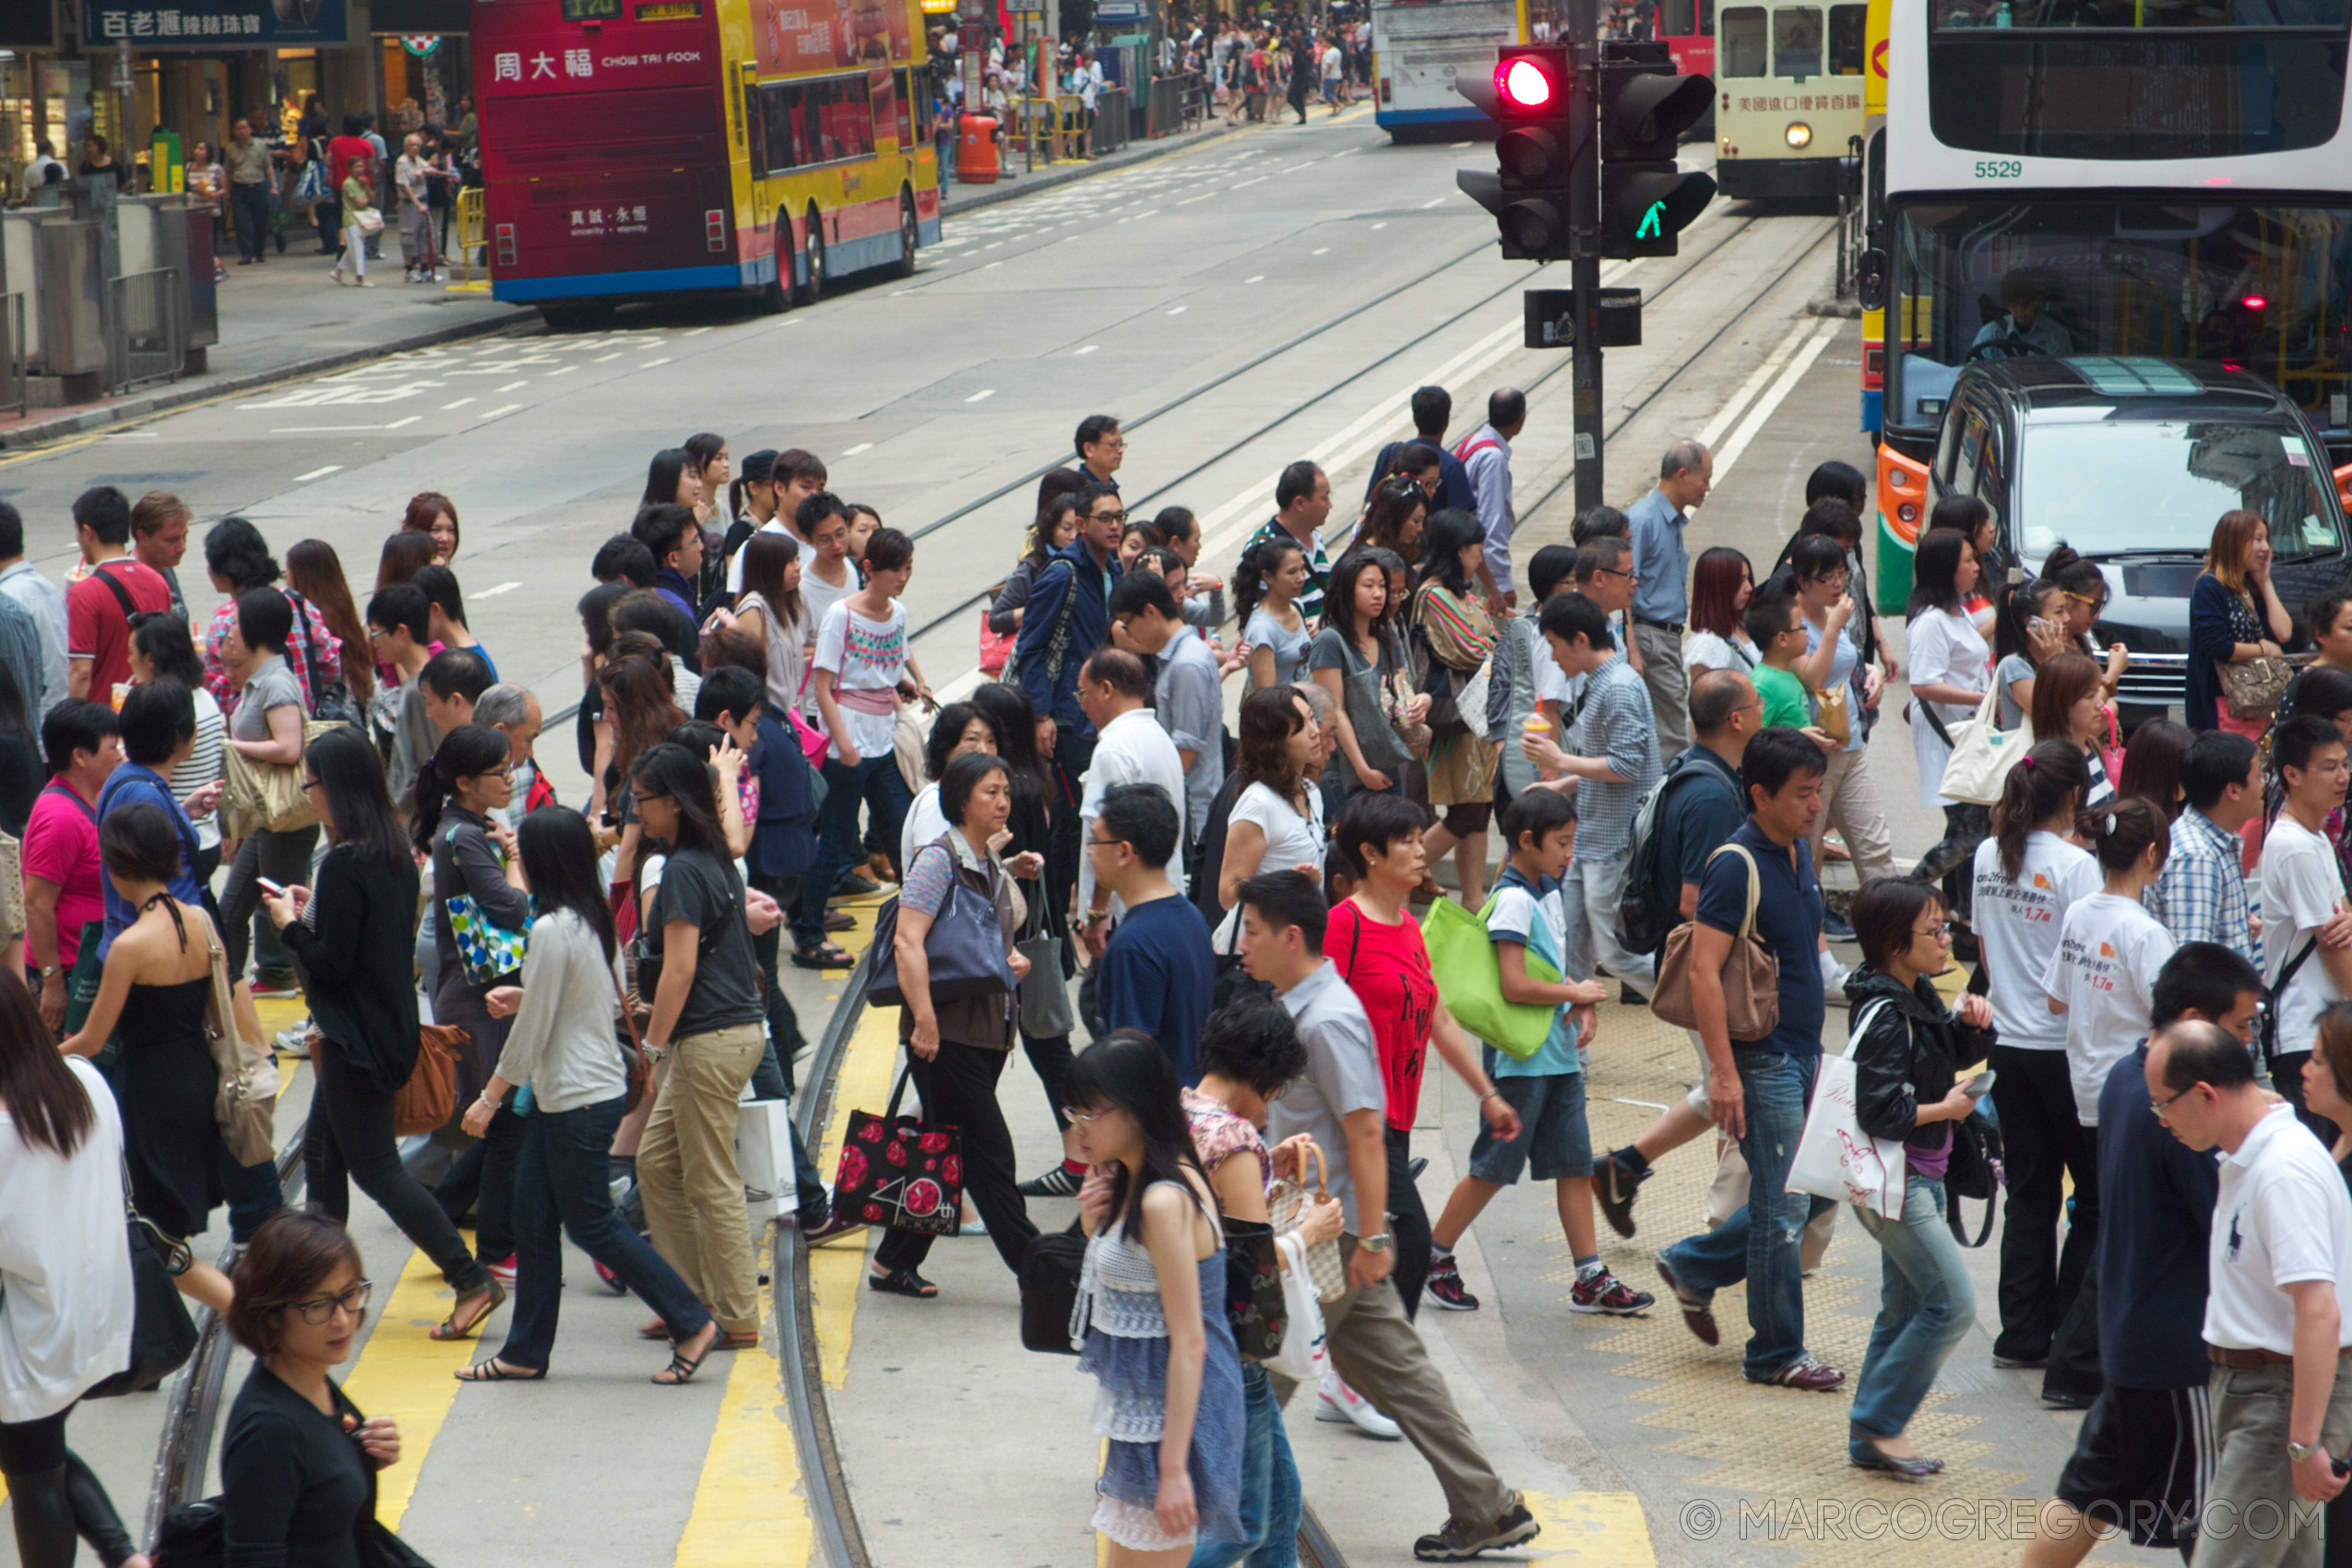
2280, 1266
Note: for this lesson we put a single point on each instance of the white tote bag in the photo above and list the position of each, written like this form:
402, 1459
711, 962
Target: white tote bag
1982, 753
1301, 1357
1835, 1159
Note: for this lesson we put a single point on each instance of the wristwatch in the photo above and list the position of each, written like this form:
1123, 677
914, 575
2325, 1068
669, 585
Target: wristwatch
1379, 1244
47, 972
2299, 1452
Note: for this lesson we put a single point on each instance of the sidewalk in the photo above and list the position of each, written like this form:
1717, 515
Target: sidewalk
285, 318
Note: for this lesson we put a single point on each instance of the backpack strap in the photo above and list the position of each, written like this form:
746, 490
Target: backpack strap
120, 597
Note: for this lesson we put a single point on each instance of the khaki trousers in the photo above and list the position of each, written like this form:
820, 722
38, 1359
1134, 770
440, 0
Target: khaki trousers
693, 1192
1669, 686
1850, 804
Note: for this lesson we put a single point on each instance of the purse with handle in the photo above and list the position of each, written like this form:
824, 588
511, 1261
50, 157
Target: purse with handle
246, 1106
1751, 975
1289, 1201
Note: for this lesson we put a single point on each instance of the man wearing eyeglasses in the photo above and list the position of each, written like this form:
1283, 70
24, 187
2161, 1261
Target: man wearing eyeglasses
2277, 1328
1068, 618
1101, 448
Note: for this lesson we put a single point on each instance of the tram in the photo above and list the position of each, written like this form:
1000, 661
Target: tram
1788, 98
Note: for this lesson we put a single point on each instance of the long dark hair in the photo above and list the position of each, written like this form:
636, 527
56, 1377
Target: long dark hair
1259, 564
675, 771
1339, 596
1394, 503
662, 476
2038, 785
1270, 717
1128, 1071
765, 557
1450, 531
946, 730
1010, 714
637, 701
314, 571
467, 752
1935, 573
559, 862
47, 1103
2012, 635
359, 804
404, 555
165, 638
2152, 764
2119, 832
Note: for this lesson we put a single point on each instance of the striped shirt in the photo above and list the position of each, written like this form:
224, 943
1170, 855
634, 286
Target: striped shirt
1616, 724
1318, 567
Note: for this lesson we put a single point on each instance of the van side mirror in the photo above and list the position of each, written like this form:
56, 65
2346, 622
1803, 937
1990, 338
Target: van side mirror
1869, 278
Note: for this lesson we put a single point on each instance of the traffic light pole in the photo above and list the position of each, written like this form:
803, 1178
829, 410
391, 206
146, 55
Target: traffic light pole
1584, 266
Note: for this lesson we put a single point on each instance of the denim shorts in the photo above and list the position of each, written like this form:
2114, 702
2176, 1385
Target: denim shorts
1553, 1143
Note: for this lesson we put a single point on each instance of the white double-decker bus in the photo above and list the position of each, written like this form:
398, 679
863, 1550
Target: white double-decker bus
1420, 46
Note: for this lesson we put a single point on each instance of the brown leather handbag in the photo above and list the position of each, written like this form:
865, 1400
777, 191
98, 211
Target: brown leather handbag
428, 1100
1751, 975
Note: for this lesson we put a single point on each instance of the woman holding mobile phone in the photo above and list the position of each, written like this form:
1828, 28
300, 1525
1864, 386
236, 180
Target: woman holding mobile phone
1907, 1048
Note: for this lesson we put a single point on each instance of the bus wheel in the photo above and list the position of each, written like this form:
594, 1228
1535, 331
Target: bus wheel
575, 318
814, 290
909, 234
776, 297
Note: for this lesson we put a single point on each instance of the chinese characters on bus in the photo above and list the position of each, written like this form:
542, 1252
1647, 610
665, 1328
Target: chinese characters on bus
1802, 104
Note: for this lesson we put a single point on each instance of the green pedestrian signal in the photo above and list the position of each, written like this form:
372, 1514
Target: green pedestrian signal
1653, 226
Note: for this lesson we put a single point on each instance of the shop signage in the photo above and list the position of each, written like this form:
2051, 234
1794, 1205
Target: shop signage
154, 25
421, 44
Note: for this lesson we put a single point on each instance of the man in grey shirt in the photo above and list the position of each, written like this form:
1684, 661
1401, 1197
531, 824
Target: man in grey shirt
1341, 1101
24, 583
1662, 597
1186, 694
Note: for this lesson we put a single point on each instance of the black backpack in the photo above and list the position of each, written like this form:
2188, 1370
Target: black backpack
1645, 915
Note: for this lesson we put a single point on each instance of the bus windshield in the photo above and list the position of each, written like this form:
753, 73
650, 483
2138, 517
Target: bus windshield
2260, 287
2075, 15
2120, 486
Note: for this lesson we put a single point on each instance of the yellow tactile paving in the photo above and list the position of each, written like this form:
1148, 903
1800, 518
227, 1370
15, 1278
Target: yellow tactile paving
750, 1508
403, 1372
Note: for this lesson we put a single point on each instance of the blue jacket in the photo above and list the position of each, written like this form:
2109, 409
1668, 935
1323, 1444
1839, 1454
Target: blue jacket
131, 782
1050, 678
783, 841
1455, 492
2211, 643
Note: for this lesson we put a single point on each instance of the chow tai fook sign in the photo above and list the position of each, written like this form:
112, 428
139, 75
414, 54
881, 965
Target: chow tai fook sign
566, 68
212, 24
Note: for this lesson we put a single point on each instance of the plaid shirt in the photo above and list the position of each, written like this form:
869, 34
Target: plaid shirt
2201, 895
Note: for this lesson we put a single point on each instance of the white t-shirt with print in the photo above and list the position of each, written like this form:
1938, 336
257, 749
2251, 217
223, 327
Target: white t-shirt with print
2019, 924
2109, 952
1707, 651
864, 656
2300, 891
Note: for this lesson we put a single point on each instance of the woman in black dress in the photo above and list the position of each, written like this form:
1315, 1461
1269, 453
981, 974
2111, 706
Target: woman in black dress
157, 978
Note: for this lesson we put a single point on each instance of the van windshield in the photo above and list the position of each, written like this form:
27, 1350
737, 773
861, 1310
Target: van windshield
2111, 486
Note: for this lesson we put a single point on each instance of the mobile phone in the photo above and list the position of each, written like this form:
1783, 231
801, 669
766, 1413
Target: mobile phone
272, 888
1981, 1084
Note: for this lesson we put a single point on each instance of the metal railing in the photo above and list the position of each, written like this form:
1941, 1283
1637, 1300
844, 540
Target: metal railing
147, 329
1110, 128
1850, 243
466, 235
14, 392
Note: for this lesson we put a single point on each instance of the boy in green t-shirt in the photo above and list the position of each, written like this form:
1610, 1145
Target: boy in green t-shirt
1779, 638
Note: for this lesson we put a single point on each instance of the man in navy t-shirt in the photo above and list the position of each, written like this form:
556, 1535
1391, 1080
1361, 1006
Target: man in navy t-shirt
1759, 1088
1157, 973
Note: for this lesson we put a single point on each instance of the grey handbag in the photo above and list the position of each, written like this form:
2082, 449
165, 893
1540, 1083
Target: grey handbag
1046, 1009
965, 947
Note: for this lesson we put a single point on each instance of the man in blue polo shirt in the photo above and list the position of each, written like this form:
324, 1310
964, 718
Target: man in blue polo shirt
1758, 1089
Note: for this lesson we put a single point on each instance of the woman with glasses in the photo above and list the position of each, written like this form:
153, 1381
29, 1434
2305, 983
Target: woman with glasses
2083, 594
297, 1465
1907, 1050
484, 909
353, 931
266, 727
1833, 665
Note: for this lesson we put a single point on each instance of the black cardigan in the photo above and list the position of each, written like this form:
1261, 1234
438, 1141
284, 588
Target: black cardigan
1910, 1057
361, 952
293, 1484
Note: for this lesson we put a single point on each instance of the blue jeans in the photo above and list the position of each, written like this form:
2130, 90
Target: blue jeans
1759, 1243
254, 1195
877, 780
565, 1179
1925, 1306
1270, 1495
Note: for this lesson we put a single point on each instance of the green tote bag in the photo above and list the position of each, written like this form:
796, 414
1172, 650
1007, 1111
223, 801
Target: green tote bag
1461, 956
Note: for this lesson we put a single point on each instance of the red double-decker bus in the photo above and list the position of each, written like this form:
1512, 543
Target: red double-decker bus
638, 147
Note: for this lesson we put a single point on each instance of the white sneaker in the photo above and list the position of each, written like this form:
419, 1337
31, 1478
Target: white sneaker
296, 1040
1337, 1402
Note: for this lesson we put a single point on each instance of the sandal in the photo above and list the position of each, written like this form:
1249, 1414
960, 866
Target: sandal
902, 1282
497, 1370
491, 1296
683, 1367
824, 956
746, 1340
657, 1329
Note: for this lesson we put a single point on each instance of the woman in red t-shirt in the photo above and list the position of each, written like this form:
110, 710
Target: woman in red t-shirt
1376, 945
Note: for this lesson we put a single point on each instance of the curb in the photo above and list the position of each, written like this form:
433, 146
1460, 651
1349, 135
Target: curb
183, 393
956, 203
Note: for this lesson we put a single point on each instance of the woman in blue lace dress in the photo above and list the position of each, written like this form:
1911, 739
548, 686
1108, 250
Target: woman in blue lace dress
1150, 1322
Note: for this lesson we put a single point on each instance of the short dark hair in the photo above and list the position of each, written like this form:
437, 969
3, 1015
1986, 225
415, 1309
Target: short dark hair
105, 512
794, 463
887, 550
1092, 491
1571, 615
2201, 977
1251, 1041
2205, 1053
439, 586
12, 532
264, 619
1539, 811
1883, 914
1432, 407
2293, 743
1123, 671
294, 1252
1141, 815
623, 558
76, 725
157, 715
730, 688
1285, 898
1601, 553
663, 528
1774, 755
1597, 522
2122, 830
1296, 483
814, 509
2318, 615
1769, 614
1819, 553
1839, 481
1549, 567
1092, 429
1139, 592
137, 842
963, 775
2214, 761
1374, 819
457, 671
402, 607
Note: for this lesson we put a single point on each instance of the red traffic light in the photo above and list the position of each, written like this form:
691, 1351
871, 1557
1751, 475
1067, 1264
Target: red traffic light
1524, 85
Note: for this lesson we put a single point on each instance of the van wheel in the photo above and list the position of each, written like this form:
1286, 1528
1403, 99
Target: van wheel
814, 290
910, 234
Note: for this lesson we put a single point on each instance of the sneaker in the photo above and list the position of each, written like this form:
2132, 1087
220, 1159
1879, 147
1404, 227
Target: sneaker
502, 1270
1337, 1402
1445, 1286
277, 988
1059, 1182
296, 1041
610, 1280
1604, 1292
1459, 1542
1628, 996
1834, 927
1698, 1312
1807, 1375
852, 885
1614, 1185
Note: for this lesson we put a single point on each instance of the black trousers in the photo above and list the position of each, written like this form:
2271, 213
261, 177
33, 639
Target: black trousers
1050, 1056
958, 1087
1408, 1221
482, 1179
350, 1138
2040, 1287
57, 1497
784, 1039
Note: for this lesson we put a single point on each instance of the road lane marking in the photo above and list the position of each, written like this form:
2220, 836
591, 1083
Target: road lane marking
1756, 382
508, 409
751, 1507
495, 592
405, 1373
317, 473
601, 358
512, 386
397, 423
1296, 167
565, 371
1325, 251
1381, 225
649, 363
983, 392
1203, 196
1769, 404
1259, 278
1180, 310
861, 446
462, 402
1089, 348
1433, 201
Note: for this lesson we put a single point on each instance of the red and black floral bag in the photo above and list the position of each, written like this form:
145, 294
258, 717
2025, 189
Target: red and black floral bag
897, 1172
